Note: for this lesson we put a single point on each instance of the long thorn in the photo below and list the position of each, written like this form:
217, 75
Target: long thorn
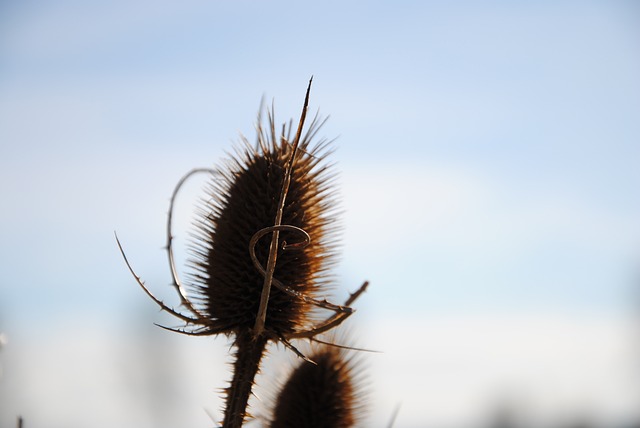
273, 249
154, 298
331, 322
350, 348
174, 272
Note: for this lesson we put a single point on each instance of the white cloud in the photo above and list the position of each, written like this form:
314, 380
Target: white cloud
422, 203
451, 236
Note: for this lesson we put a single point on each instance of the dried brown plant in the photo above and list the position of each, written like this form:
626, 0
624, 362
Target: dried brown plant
325, 394
245, 285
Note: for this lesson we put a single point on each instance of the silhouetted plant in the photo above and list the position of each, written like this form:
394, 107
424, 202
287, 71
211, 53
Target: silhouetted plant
243, 284
324, 394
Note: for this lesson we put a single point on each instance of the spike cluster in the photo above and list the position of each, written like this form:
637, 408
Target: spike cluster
324, 394
242, 200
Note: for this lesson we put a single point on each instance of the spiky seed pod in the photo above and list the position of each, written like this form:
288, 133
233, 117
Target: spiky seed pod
242, 200
281, 186
320, 395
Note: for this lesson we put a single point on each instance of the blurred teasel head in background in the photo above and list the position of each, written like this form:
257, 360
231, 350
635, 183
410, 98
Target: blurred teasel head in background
329, 393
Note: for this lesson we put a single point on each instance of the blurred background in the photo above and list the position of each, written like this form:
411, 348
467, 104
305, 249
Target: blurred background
488, 155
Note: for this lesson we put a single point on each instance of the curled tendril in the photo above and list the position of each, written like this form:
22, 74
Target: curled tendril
177, 284
285, 246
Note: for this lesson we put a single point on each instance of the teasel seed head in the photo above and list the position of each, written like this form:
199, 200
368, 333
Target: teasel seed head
242, 199
327, 393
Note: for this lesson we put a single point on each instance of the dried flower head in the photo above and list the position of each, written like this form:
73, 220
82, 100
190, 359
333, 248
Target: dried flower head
325, 394
246, 280
243, 200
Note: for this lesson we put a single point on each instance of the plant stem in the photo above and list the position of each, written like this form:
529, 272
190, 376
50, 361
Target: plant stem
249, 352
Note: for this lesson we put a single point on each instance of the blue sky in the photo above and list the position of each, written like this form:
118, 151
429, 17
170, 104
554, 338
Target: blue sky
488, 157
